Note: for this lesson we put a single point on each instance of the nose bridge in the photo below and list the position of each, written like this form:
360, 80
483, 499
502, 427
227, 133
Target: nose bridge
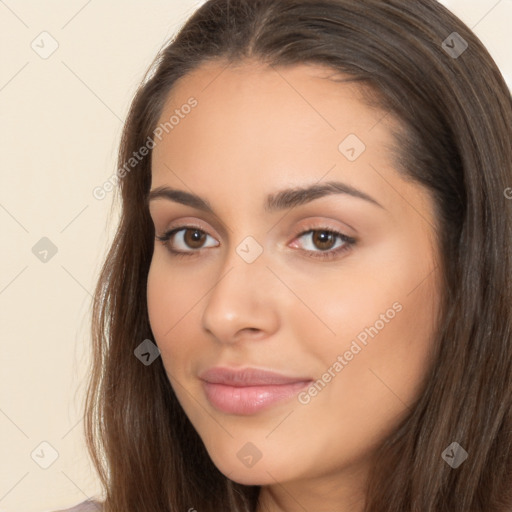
247, 259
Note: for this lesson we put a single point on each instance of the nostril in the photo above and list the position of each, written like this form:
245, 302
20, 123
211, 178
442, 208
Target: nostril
254, 330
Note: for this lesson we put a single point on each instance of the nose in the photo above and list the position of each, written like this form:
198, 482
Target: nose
243, 303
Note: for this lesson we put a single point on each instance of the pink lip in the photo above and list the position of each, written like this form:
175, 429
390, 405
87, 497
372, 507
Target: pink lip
249, 390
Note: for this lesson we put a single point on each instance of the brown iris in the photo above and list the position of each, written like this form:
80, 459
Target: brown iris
320, 238
194, 238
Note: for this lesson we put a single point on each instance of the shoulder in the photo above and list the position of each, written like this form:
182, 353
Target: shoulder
85, 506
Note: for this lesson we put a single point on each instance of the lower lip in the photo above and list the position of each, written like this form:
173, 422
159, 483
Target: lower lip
249, 399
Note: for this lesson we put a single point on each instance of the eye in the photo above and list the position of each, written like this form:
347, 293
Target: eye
322, 242
189, 239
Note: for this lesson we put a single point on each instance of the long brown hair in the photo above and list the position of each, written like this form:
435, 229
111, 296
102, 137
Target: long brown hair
456, 114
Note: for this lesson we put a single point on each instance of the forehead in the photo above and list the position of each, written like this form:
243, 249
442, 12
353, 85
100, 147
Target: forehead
257, 101
306, 89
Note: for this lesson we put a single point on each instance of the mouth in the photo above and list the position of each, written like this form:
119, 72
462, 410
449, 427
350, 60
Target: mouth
250, 390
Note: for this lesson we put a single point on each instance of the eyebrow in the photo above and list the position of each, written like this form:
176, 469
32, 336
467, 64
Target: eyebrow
284, 199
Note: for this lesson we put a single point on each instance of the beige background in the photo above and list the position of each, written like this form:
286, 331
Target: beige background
61, 119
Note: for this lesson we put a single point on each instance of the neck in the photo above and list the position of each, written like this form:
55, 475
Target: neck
340, 492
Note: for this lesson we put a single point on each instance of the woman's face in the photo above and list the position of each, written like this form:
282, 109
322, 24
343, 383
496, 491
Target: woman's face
334, 289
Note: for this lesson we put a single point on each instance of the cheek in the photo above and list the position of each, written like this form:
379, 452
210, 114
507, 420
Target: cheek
384, 321
171, 306
161, 300
383, 335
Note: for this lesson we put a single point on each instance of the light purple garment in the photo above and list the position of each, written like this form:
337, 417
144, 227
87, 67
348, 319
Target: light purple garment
85, 506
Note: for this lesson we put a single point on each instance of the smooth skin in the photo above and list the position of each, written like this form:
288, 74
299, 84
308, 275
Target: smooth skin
255, 131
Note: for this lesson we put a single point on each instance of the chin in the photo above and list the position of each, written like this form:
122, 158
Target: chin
249, 476
263, 472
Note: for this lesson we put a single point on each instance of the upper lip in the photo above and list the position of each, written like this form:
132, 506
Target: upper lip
247, 377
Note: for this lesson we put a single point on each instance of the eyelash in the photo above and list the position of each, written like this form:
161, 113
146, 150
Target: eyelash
330, 254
